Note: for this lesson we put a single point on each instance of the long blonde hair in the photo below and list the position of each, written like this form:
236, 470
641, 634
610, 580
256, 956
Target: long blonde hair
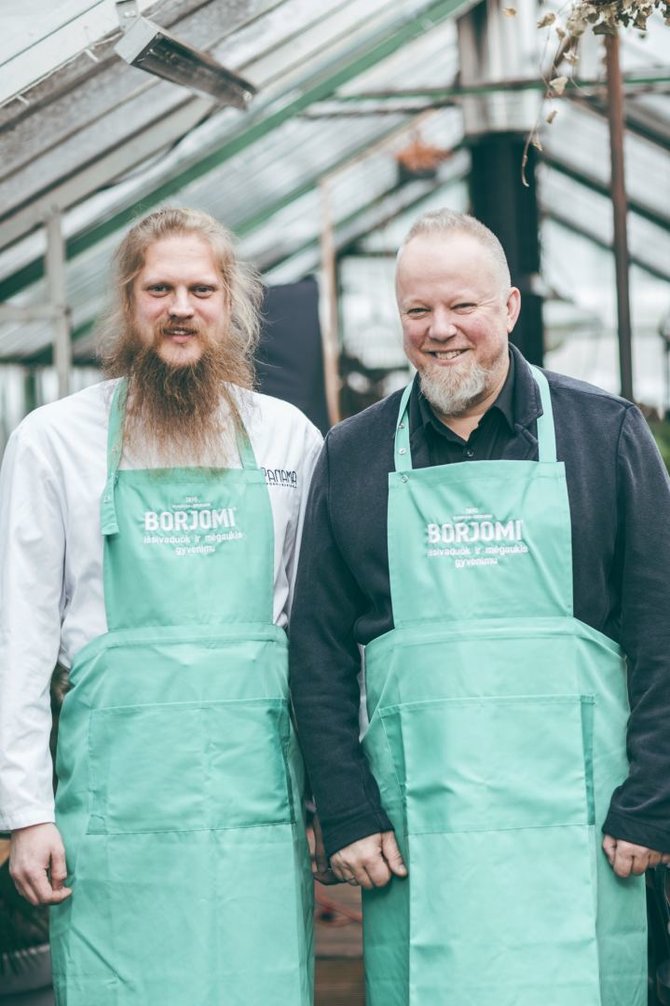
242, 286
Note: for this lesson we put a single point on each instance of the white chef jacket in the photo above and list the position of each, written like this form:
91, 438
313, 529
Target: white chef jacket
51, 548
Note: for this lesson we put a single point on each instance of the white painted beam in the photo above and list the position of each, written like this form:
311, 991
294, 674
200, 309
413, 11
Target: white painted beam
62, 342
65, 32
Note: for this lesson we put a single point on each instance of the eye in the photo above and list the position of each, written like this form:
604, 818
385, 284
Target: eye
203, 290
157, 289
464, 307
416, 312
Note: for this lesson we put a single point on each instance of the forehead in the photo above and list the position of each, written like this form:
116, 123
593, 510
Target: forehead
430, 259
180, 256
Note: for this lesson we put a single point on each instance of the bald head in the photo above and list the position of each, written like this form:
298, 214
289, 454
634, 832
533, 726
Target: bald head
447, 223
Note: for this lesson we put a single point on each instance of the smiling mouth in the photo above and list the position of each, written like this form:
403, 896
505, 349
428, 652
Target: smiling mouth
451, 354
179, 333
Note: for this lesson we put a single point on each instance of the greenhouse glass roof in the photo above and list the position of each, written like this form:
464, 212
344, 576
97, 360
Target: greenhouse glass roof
342, 87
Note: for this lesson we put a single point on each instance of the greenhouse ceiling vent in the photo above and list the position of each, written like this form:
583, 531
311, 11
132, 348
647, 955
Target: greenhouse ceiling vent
151, 48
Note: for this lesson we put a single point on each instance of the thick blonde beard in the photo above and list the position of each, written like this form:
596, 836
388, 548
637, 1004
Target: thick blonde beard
178, 415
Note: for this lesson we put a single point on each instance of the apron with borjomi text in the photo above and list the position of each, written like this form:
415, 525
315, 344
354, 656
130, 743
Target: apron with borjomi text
180, 782
497, 735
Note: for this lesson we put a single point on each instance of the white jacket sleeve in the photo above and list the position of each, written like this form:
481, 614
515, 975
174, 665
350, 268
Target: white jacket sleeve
32, 550
313, 442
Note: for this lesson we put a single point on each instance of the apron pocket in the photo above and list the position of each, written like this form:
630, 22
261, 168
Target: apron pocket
189, 766
494, 763
388, 769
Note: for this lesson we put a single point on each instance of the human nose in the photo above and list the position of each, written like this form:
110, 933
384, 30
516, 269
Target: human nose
442, 324
180, 305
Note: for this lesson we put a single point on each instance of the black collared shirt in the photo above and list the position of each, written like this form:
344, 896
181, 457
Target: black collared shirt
486, 442
619, 499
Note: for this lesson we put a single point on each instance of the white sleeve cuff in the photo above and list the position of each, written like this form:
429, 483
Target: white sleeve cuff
44, 814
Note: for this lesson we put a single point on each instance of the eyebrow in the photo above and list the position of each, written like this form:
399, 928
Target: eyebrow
214, 281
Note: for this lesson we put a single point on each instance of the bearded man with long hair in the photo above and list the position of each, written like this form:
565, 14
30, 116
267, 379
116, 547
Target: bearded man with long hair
151, 527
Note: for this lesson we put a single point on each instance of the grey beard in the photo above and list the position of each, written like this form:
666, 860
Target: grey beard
452, 393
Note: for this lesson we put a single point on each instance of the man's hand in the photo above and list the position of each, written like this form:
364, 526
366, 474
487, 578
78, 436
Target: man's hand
626, 858
37, 864
370, 862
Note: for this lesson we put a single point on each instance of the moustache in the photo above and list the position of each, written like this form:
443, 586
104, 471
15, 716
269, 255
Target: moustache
166, 329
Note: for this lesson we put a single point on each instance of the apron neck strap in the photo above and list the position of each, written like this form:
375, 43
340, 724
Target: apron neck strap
246, 451
108, 520
402, 452
546, 436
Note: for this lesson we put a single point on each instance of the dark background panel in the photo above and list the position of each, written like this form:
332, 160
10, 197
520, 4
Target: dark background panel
290, 355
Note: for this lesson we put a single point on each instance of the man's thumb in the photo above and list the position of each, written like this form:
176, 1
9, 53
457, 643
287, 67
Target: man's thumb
392, 855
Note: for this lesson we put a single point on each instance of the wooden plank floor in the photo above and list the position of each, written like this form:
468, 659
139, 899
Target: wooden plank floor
339, 982
339, 964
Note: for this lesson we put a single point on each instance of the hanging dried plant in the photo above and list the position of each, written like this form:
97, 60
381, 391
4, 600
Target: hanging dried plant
605, 17
602, 17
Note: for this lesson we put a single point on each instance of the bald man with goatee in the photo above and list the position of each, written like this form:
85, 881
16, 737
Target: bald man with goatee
494, 539
150, 548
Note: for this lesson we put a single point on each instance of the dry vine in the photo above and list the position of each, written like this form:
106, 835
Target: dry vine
603, 17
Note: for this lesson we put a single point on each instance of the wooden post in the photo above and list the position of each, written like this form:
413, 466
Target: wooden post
62, 345
330, 320
620, 209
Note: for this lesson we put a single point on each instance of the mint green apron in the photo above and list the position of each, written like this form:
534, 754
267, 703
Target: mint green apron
179, 795
497, 735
